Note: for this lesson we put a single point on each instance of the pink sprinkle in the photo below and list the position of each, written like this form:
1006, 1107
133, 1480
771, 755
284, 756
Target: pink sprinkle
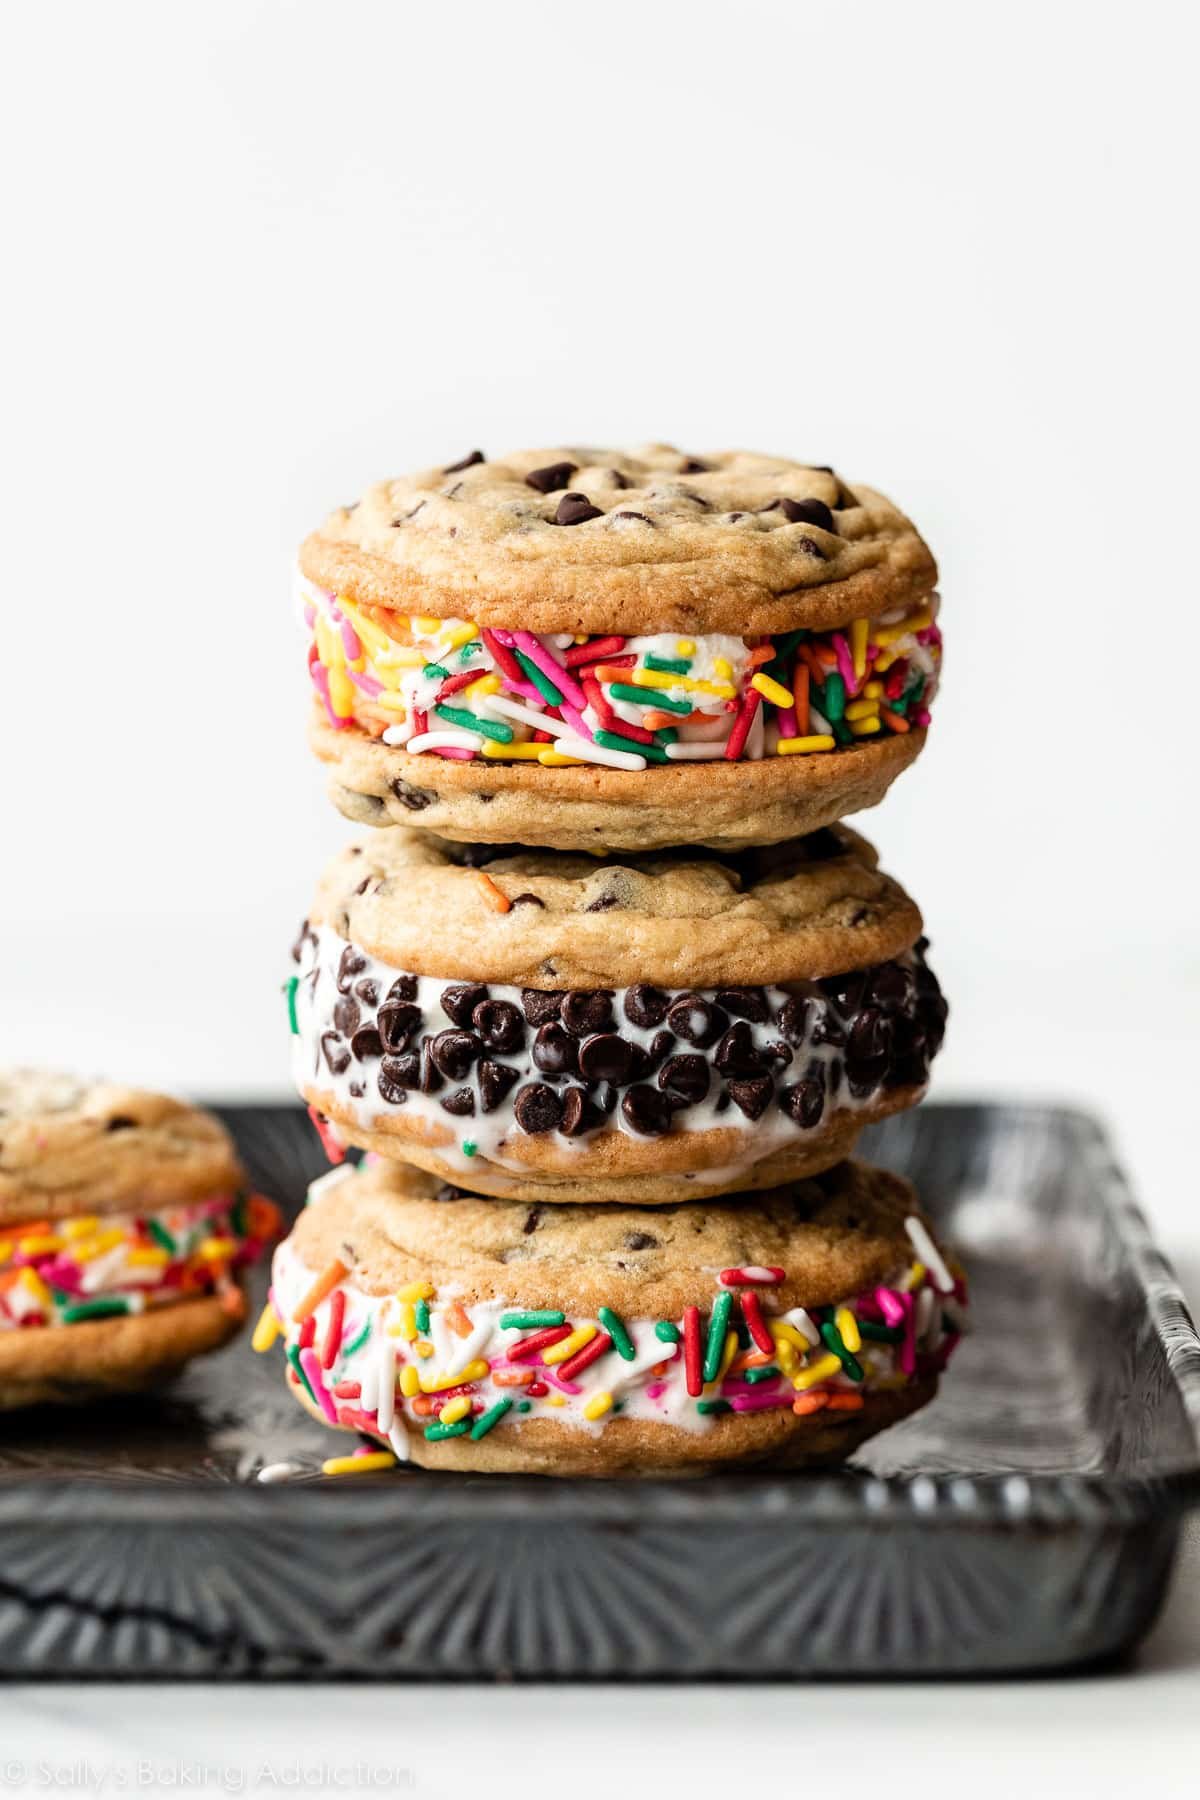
758, 1402
507, 638
310, 614
785, 718
525, 688
556, 1380
350, 642
655, 1389
366, 683
453, 755
312, 1368
320, 680
363, 1450
562, 678
908, 1347
890, 1305
576, 719
922, 717
845, 663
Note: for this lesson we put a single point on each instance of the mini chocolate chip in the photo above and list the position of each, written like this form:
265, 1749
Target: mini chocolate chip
533, 1219
366, 1044
356, 1089
605, 1057
416, 799
336, 1053
693, 466
810, 547
398, 1020
550, 479
639, 1240
586, 1010
460, 1000
846, 991
495, 1081
807, 512
527, 900
605, 903
575, 509
541, 1004
845, 497
499, 1024
363, 885
431, 1076
461, 1103
645, 1005
661, 1045
721, 1103
891, 986
555, 1052
453, 1052
403, 988
537, 1108
368, 991
745, 1003
697, 1020
804, 1103
688, 1076
352, 962
736, 1054
468, 462
121, 1122
347, 1015
751, 1096
396, 1075
628, 513
306, 935
579, 1114
776, 1052
646, 1111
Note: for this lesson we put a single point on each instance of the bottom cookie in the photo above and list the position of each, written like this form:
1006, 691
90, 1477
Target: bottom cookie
491, 1336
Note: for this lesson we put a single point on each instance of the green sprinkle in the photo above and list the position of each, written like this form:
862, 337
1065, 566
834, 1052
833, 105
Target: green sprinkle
434, 1432
94, 1309
881, 1334
524, 1405
489, 728
842, 731
764, 1372
718, 1324
651, 752
492, 1416
712, 1406
743, 1334
356, 1343
617, 1406
834, 703
652, 697
529, 1321
290, 990
422, 1315
470, 650
542, 683
666, 734
783, 650
293, 1356
614, 1324
469, 1147
434, 672
161, 1236
666, 1333
831, 1337
668, 665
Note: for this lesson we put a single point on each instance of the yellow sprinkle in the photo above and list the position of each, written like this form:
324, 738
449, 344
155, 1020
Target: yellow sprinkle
913, 1279
723, 668
329, 643
410, 1381
552, 759
803, 746
889, 1383
372, 636
581, 638
217, 1249
267, 1329
416, 1290
656, 678
406, 1324
569, 1345
685, 647
556, 1399
516, 752
862, 709
847, 1325
33, 1284
873, 690
859, 629
423, 1347
427, 627
474, 1371
728, 1352
392, 700
40, 1244
918, 621
359, 1465
454, 1410
461, 634
6, 1251
821, 1370
80, 1228
149, 1257
107, 1240
772, 691
884, 661
487, 684
341, 693
400, 656
598, 1405
783, 1331
865, 727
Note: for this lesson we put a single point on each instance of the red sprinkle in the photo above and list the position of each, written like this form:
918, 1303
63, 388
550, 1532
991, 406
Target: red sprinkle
608, 717
767, 1276
752, 1313
538, 1389
333, 1337
693, 1361
567, 1371
595, 650
452, 683
347, 1390
751, 701
503, 658
538, 1341
308, 1332
361, 1421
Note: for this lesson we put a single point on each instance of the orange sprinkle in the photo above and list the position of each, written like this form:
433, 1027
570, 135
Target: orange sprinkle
39, 1228
809, 1403
426, 1404
324, 1284
846, 1402
396, 626
764, 654
806, 654
749, 1359
514, 1377
233, 1301
263, 1217
800, 689
457, 1320
499, 902
661, 1368
893, 720
659, 721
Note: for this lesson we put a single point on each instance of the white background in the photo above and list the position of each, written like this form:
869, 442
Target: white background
259, 254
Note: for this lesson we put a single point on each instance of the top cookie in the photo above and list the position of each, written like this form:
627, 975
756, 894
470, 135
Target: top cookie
71, 1147
586, 540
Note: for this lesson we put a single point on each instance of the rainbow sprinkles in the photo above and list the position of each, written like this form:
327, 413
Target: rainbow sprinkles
447, 688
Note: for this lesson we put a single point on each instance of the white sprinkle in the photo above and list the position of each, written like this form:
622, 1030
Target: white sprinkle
321, 1186
527, 715
804, 1325
387, 1382
596, 753
398, 1439
399, 734
696, 752
280, 1471
755, 736
930, 1255
924, 1315
818, 724
445, 740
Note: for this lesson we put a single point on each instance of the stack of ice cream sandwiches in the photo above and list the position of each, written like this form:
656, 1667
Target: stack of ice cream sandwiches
609, 995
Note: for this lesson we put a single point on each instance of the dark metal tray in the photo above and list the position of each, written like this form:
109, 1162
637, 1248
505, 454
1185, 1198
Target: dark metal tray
1026, 1521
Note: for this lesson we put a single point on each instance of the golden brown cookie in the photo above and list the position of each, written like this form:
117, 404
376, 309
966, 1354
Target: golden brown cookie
646, 1030
125, 1225
667, 649
491, 1336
